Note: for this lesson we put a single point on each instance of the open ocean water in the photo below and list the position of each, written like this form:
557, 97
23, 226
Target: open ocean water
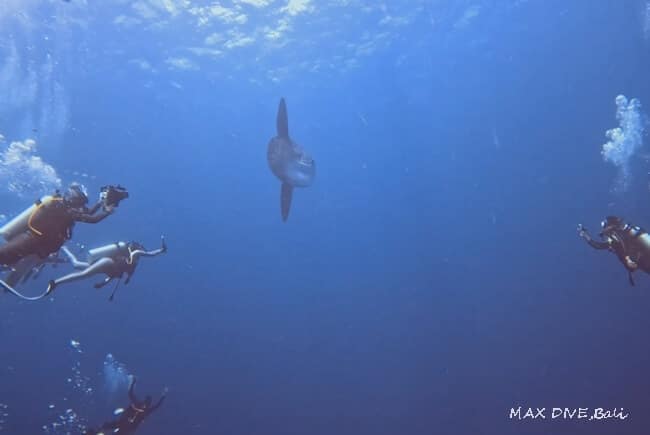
429, 280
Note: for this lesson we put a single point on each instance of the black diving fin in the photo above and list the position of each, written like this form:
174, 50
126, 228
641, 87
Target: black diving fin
16, 293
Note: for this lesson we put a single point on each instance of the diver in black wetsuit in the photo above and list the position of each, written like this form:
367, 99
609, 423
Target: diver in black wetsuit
51, 223
123, 260
630, 243
132, 417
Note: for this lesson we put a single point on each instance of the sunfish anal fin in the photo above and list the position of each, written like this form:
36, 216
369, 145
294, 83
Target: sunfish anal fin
283, 120
285, 200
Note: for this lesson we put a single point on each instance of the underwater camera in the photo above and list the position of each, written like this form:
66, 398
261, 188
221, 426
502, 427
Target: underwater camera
112, 195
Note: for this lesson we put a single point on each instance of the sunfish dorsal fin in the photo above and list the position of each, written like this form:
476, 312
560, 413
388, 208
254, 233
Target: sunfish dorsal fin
285, 200
283, 120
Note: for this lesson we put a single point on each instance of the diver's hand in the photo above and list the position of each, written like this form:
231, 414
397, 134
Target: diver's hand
582, 231
631, 264
165, 391
163, 246
109, 208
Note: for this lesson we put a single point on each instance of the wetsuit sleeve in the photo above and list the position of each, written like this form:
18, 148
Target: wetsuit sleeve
142, 253
132, 397
598, 245
74, 260
594, 244
88, 217
94, 208
157, 405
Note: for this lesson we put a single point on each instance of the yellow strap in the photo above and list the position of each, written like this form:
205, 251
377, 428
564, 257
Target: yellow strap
38, 207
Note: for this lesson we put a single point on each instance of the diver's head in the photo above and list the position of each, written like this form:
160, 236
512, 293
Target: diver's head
611, 224
76, 195
147, 401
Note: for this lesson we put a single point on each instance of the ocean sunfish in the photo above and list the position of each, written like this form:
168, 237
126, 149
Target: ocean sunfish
288, 161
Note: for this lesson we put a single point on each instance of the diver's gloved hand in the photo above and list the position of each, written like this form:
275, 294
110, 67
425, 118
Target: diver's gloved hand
630, 264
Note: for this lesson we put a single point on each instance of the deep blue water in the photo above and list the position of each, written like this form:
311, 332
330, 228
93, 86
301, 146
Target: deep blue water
428, 281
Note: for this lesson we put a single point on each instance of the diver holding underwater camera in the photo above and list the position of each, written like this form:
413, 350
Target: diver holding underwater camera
46, 225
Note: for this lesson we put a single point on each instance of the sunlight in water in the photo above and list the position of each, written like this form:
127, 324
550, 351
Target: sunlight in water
23, 172
116, 376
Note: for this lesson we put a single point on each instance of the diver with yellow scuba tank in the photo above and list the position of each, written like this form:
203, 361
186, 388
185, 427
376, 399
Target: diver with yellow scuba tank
113, 260
44, 227
630, 243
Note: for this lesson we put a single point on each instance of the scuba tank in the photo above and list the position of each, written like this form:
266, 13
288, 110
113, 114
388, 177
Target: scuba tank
636, 244
121, 248
20, 223
643, 238
644, 243
632, 234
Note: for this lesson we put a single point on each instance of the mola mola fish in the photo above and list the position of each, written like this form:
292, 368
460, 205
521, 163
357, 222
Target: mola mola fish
288, 161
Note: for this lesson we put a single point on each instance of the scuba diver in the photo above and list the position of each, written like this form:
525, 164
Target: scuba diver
45, 226
630, 243
40, 231
113, 260
130, 418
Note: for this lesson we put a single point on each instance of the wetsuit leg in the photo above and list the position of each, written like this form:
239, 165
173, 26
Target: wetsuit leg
111, 425
75, 262
102, 265
22, 269
106, 426
19, 247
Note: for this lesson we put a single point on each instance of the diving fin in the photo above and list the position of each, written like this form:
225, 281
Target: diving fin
285, 200
282, 120
16, 293
114, 290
